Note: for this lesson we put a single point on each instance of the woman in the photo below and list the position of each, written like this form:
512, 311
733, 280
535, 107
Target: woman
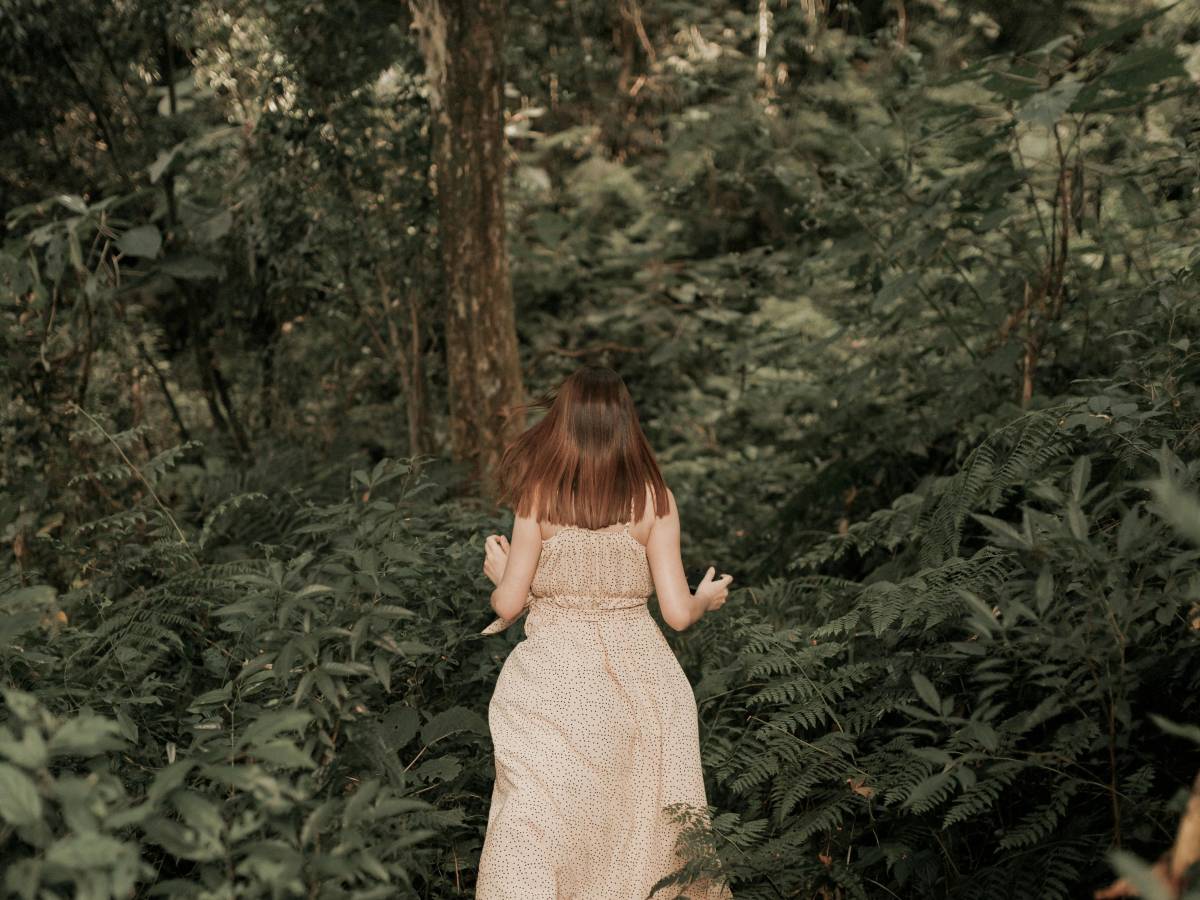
593, 721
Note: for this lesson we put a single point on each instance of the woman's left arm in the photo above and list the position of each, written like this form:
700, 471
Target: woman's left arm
508, 599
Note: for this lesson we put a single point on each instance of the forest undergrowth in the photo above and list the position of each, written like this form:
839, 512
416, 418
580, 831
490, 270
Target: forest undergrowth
909, 309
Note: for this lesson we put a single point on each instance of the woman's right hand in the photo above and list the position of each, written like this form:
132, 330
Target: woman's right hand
495, 557
713, 594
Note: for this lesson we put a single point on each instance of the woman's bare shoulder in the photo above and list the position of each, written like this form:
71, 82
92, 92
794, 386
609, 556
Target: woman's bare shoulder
652, 512
644, 526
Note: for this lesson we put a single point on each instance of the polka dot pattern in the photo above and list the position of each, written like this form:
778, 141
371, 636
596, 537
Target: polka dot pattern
594, 728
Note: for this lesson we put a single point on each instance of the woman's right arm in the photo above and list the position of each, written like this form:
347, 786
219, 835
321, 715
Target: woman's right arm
680, 607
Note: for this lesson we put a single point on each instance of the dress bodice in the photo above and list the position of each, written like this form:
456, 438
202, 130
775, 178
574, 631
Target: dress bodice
597, 569
588, 570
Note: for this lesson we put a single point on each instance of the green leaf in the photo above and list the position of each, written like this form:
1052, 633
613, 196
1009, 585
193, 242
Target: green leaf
457, 718
269, 725
1144, 67
129, 729
182, 842
310, 589
20, 803
209, 698
1179, 507
389, 611
1190, 732
24, 706
1138, 206
550, 228
385, 809
199, 813
927, 788
1125, 28
399, 726
398, 552
87, 851
1046, 107
414, 648
143, 241
983, 733
1003, 533
1081, 473
29, 752
1009, 85
86, 735
443, 767
212, 229
133, 815
927, 691
283, 753
1129, 535
1077, 521
357, 805
895, 289
345, 669
73, 202
315, 822
383, 669
191, 268
986, 618
161, 162
168, 779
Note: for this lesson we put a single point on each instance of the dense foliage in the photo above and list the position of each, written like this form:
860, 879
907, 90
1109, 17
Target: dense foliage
907, 296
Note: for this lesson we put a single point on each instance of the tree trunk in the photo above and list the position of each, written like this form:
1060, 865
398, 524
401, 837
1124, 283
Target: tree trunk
462, 42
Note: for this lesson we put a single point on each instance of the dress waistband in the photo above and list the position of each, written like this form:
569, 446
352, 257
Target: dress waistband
549, 607
545, 607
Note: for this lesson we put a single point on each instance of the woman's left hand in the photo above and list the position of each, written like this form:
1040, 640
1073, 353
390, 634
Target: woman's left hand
495, 557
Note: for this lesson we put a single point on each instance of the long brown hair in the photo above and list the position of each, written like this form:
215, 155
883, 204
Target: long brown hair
587, 462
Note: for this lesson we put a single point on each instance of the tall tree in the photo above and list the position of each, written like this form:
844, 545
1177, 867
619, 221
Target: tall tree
463, 42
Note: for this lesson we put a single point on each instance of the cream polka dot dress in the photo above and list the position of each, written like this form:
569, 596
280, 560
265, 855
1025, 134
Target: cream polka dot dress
594, 728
